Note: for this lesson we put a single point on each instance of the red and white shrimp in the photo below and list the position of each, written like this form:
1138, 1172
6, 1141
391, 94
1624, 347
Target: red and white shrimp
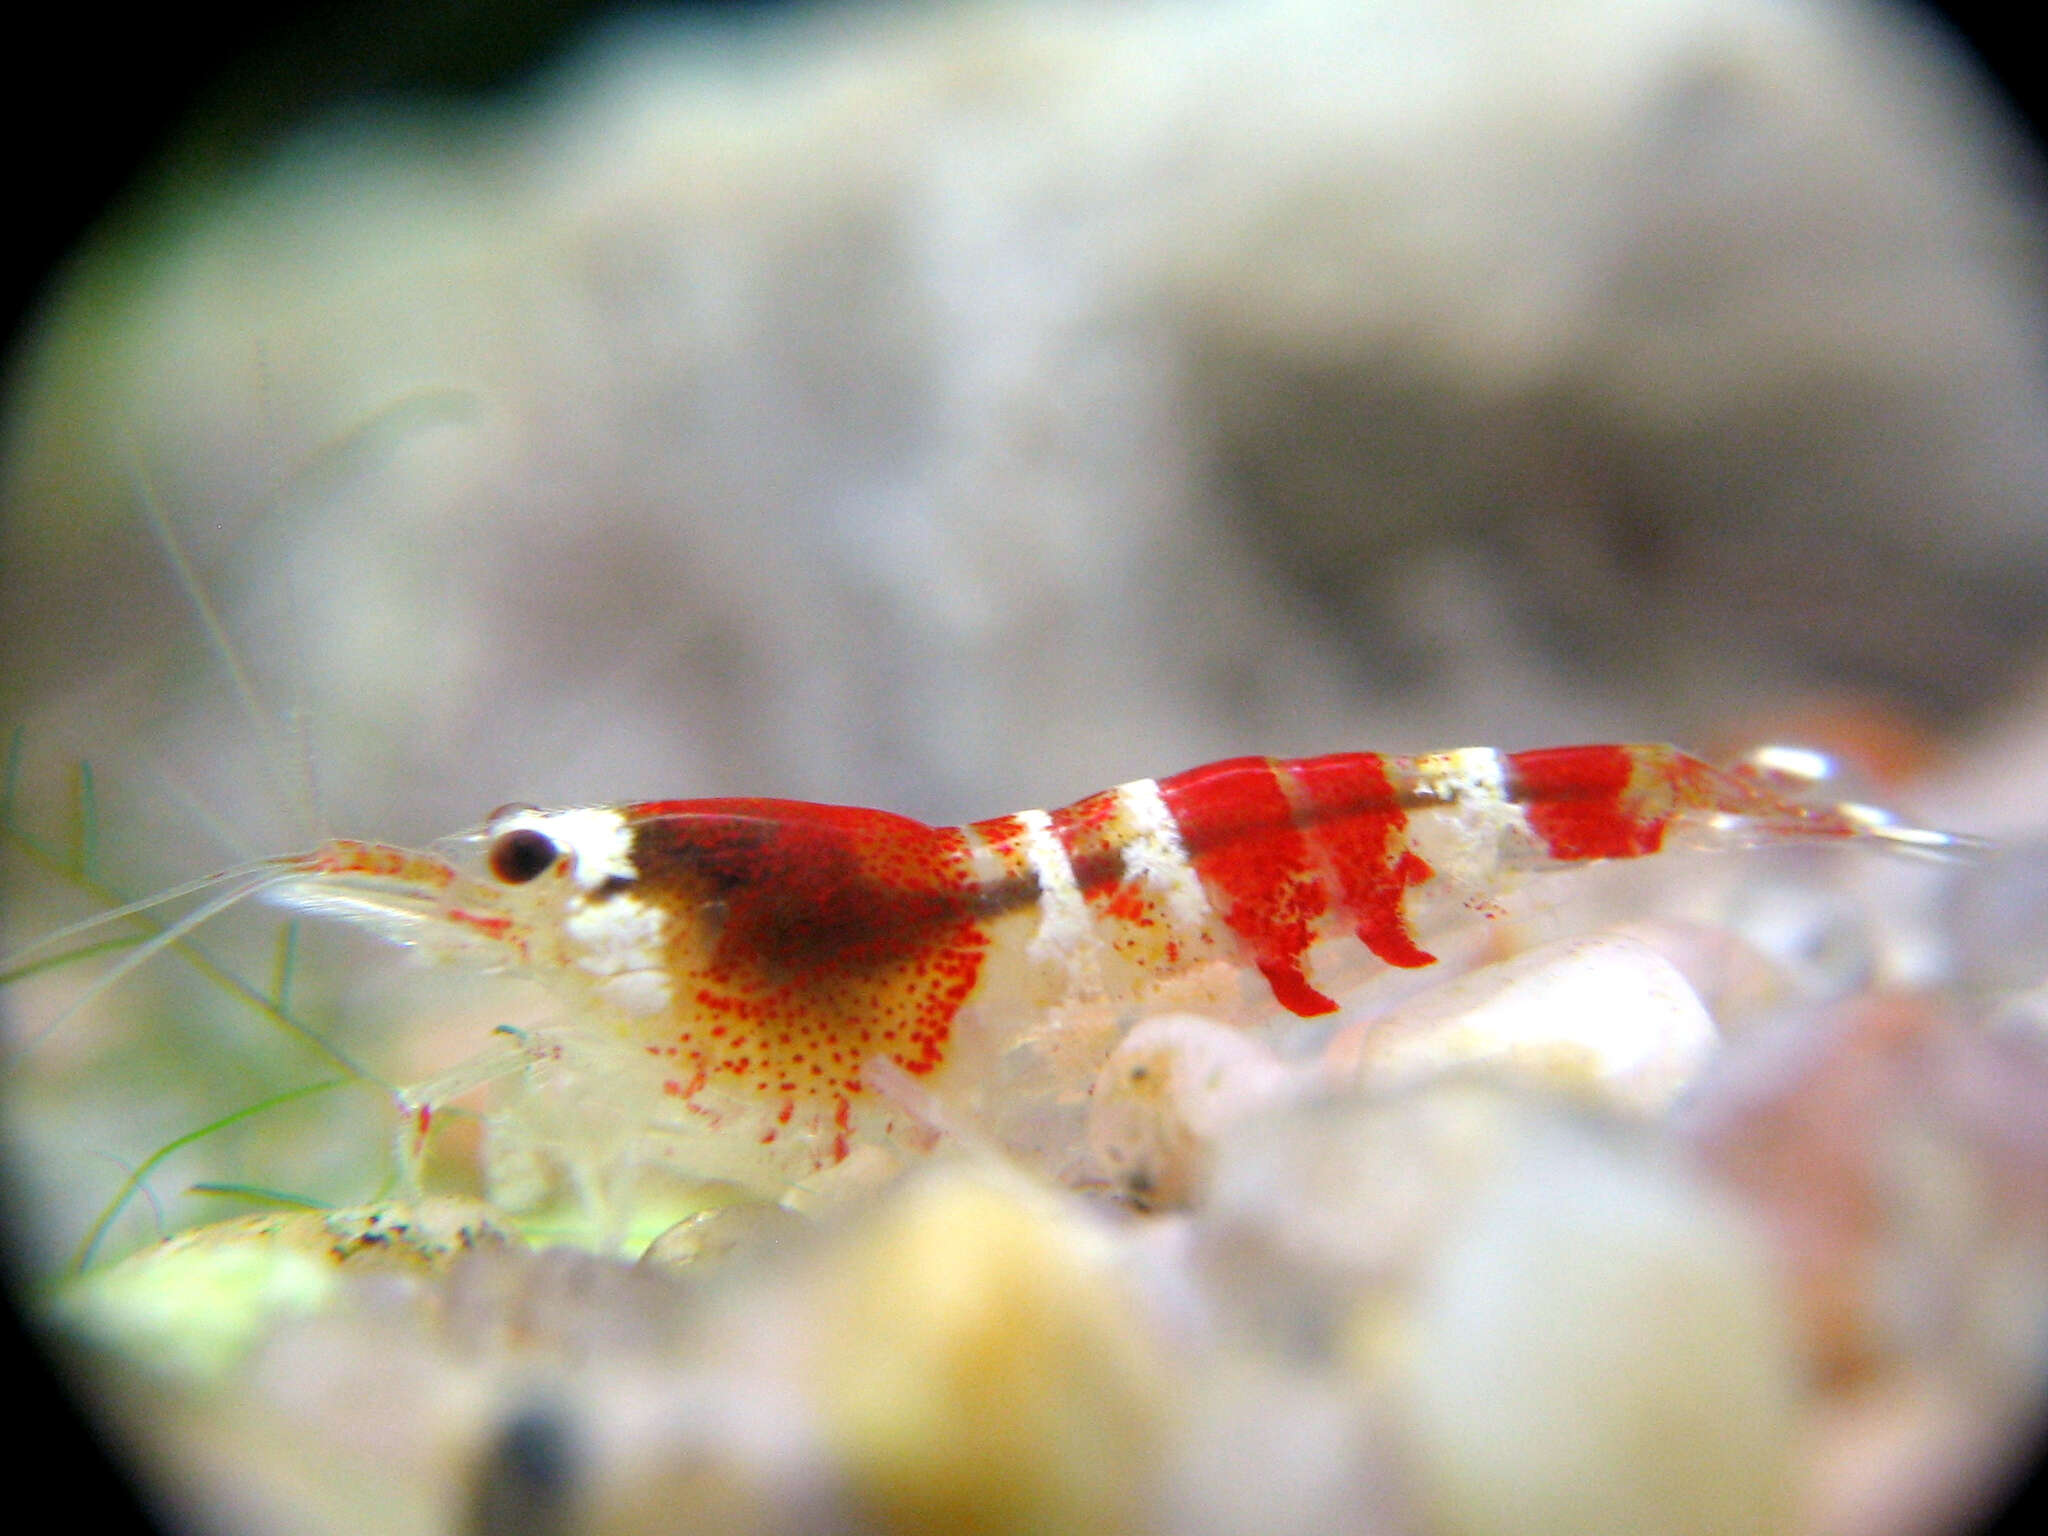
780, 973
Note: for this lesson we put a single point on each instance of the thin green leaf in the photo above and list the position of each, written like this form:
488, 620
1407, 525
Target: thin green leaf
84, 952
142, 1171
260, 1195
187, 949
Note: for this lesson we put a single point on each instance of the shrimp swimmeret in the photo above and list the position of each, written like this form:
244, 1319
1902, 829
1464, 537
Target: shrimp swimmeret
775, 978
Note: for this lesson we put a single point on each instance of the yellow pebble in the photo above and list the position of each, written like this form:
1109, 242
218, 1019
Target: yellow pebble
981, 1371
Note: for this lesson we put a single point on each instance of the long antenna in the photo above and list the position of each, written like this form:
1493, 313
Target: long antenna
290, 775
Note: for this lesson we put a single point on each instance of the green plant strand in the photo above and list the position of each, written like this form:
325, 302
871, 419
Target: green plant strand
142, 1171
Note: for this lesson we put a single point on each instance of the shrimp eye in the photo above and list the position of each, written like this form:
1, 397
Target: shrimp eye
522, 854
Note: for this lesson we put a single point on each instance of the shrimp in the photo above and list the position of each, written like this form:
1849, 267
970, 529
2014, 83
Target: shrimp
793, 976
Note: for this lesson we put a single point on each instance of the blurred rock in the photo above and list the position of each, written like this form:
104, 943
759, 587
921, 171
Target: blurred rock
1899, 1156
1601, 1347
869, 405
1167, 1089
979, 1370
1606, 1017
193, 1306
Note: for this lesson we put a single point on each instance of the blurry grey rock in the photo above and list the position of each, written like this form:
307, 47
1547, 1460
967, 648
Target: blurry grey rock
963, 407
1571, 1332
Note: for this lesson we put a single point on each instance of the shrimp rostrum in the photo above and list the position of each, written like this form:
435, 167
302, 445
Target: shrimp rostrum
782, 979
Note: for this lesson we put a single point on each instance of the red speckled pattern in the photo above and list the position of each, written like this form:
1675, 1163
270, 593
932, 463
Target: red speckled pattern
1581, 800
841, 935
1095, 833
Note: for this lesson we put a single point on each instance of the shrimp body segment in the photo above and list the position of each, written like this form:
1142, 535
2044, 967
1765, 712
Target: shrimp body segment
762, 957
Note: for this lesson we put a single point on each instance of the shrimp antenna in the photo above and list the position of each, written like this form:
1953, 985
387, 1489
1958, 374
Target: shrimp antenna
241, 884
18, 963
291, 770
233, 886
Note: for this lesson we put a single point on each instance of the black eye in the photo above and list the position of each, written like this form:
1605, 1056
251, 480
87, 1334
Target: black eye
521, 854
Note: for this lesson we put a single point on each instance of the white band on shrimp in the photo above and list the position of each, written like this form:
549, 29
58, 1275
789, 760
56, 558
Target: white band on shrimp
1155, 855
1065, 930
1473, 777
623, 942
1488, 825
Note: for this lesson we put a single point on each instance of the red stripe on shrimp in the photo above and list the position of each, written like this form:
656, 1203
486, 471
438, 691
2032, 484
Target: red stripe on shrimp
1363, 832
1240, 832
1580, 802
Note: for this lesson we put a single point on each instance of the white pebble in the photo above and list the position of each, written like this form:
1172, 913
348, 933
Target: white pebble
1165, 1092
1607, 1016
1602, 1348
